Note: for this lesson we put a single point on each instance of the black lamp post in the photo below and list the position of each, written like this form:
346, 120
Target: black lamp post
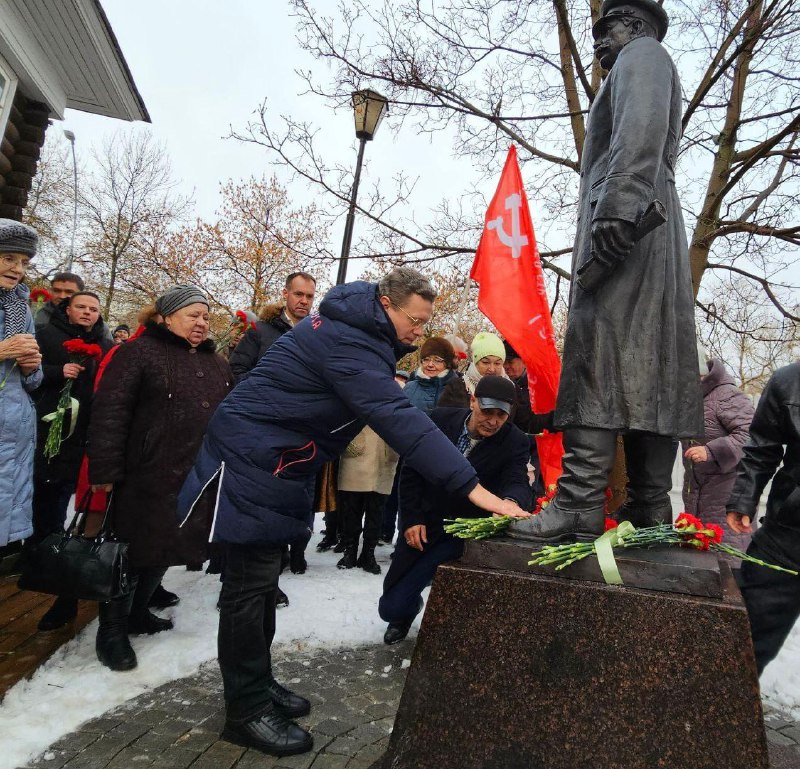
369, 107
71, 139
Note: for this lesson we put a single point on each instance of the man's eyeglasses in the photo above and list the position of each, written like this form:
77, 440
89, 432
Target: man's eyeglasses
415, 322
9, 260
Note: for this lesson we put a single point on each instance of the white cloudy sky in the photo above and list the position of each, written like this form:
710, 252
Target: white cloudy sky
204, 66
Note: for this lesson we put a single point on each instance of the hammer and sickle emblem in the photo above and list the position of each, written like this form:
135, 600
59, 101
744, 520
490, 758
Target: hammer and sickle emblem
516, 240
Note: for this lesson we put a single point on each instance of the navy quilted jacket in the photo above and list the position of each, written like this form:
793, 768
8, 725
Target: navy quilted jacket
307, 398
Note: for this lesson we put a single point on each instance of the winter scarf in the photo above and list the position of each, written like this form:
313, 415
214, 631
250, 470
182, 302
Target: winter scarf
472, 376
14, 305
420, 374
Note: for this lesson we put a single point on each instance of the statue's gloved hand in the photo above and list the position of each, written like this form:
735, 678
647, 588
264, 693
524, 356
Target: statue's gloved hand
612, 240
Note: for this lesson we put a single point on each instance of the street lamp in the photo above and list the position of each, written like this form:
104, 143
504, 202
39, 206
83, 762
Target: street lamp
369, 107
71, 139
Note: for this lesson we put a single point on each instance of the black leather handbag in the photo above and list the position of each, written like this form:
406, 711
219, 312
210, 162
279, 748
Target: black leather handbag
70, 563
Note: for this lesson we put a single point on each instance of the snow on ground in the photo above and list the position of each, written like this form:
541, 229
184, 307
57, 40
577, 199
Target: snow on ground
328, 608
780, 681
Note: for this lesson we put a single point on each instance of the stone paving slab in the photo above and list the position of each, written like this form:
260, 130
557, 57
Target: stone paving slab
354, 693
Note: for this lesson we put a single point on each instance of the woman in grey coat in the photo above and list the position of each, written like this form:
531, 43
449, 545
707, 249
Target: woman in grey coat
709, 464
20, 374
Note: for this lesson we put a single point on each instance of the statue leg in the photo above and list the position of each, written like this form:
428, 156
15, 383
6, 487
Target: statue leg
577, 511
649, 459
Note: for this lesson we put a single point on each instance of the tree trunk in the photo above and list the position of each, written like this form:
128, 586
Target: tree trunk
708, 220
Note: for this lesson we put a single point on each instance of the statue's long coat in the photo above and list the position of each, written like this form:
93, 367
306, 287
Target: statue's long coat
630, 355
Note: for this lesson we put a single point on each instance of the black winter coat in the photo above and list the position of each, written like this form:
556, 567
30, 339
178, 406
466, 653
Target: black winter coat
65, 465
150, 413
256, 341
773, 449
501, 465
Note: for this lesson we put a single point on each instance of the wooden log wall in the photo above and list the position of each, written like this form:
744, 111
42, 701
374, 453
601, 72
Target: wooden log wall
20, 149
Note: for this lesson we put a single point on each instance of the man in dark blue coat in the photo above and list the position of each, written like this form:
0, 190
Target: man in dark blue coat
310, 395
499, 452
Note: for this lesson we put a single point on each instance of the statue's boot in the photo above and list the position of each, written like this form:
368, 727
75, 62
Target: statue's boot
555, 525
649, 460
577, 511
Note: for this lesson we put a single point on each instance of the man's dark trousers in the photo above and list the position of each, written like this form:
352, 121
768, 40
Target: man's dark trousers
772, 599
247, 627
411, 572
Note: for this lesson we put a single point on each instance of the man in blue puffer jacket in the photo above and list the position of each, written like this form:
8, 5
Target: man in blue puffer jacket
311, 394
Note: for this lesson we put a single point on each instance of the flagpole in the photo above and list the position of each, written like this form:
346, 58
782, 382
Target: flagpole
463, 306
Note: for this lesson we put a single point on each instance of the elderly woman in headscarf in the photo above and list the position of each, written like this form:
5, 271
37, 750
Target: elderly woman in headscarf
148, 419
20, 374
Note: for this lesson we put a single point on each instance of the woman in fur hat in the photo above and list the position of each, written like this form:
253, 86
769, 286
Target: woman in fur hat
435, 370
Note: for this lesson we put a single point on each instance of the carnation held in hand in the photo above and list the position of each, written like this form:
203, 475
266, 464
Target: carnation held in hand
79, 352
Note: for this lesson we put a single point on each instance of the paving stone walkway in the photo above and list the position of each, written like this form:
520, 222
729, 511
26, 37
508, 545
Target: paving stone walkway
355, 694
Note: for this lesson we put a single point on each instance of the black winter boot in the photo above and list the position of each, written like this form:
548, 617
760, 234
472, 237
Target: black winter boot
163, 598
326, 543
281, 599
367, 560
297, 560
340, 546
112, 645
270, 733
142, 620
350, 557
286, 702
62, 612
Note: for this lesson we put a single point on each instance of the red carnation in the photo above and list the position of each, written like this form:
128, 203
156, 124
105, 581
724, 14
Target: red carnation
687, 520
242, 316
40, 295
717, 531
609, 524
81, 349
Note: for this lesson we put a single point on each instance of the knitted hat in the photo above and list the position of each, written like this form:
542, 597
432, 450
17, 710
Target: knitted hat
495, 392
439, 346
484, 344
178, 297
122, 327
17, 238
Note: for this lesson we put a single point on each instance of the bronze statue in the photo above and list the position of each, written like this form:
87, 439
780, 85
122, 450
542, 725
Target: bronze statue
630, 360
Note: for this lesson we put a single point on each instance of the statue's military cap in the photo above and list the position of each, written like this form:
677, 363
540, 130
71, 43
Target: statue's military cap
653, 13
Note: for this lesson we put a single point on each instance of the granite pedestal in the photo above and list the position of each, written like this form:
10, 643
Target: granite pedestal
527, 670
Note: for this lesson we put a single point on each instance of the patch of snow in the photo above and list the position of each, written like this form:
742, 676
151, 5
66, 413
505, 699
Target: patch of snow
329, 608
780, 681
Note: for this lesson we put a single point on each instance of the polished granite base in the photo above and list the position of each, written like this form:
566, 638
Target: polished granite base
524, 670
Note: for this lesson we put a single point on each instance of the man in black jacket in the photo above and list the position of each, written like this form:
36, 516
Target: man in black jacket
498, 451
772, 597
54, 478
276, 320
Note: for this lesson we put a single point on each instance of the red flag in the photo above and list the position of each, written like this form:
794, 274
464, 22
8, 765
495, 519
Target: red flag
513, 296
